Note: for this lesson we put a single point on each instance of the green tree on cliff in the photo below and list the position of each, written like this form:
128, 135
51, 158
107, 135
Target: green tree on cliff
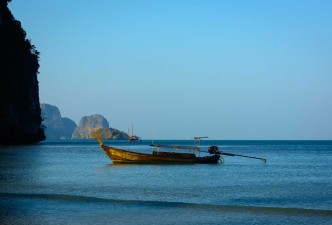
20, 114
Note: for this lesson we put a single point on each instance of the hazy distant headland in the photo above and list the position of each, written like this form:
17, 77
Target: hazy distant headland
58, 128
20, 114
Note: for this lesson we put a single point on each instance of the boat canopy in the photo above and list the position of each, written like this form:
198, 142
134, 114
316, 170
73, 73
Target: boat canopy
176, 146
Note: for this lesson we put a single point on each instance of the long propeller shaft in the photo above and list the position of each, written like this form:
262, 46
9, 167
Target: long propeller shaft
245, 156
231, 154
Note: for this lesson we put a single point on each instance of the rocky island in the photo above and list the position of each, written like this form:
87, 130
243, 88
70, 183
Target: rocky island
59, 128
97, 122
56, 127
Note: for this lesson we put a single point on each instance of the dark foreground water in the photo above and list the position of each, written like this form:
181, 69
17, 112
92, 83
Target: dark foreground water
76, 183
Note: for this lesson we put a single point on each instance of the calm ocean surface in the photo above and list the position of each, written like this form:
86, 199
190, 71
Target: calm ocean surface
76, 183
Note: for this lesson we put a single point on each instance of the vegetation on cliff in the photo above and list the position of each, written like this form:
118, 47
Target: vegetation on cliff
20, 113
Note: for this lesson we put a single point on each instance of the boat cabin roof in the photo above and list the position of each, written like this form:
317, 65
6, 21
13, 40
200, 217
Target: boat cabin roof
175, 146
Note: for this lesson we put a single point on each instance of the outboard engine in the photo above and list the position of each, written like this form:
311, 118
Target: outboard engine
214, 150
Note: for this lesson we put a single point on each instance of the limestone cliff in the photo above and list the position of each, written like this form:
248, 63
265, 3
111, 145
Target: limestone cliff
69, 127
20, 114
56, 127
89, 124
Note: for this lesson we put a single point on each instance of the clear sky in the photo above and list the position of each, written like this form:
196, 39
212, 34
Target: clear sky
235, 69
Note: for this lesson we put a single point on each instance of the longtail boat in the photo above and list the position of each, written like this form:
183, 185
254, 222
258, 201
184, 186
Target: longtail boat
120, 156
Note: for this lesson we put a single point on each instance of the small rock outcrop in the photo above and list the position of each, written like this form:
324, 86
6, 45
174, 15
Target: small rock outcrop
111, 133
56, 127
89, 124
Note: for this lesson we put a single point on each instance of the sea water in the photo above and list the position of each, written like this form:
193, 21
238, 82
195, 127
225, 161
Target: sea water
76, 183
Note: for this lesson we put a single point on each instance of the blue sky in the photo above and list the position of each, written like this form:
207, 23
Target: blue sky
224, 69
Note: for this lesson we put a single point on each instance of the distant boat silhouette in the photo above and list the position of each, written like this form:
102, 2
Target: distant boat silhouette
133, 137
